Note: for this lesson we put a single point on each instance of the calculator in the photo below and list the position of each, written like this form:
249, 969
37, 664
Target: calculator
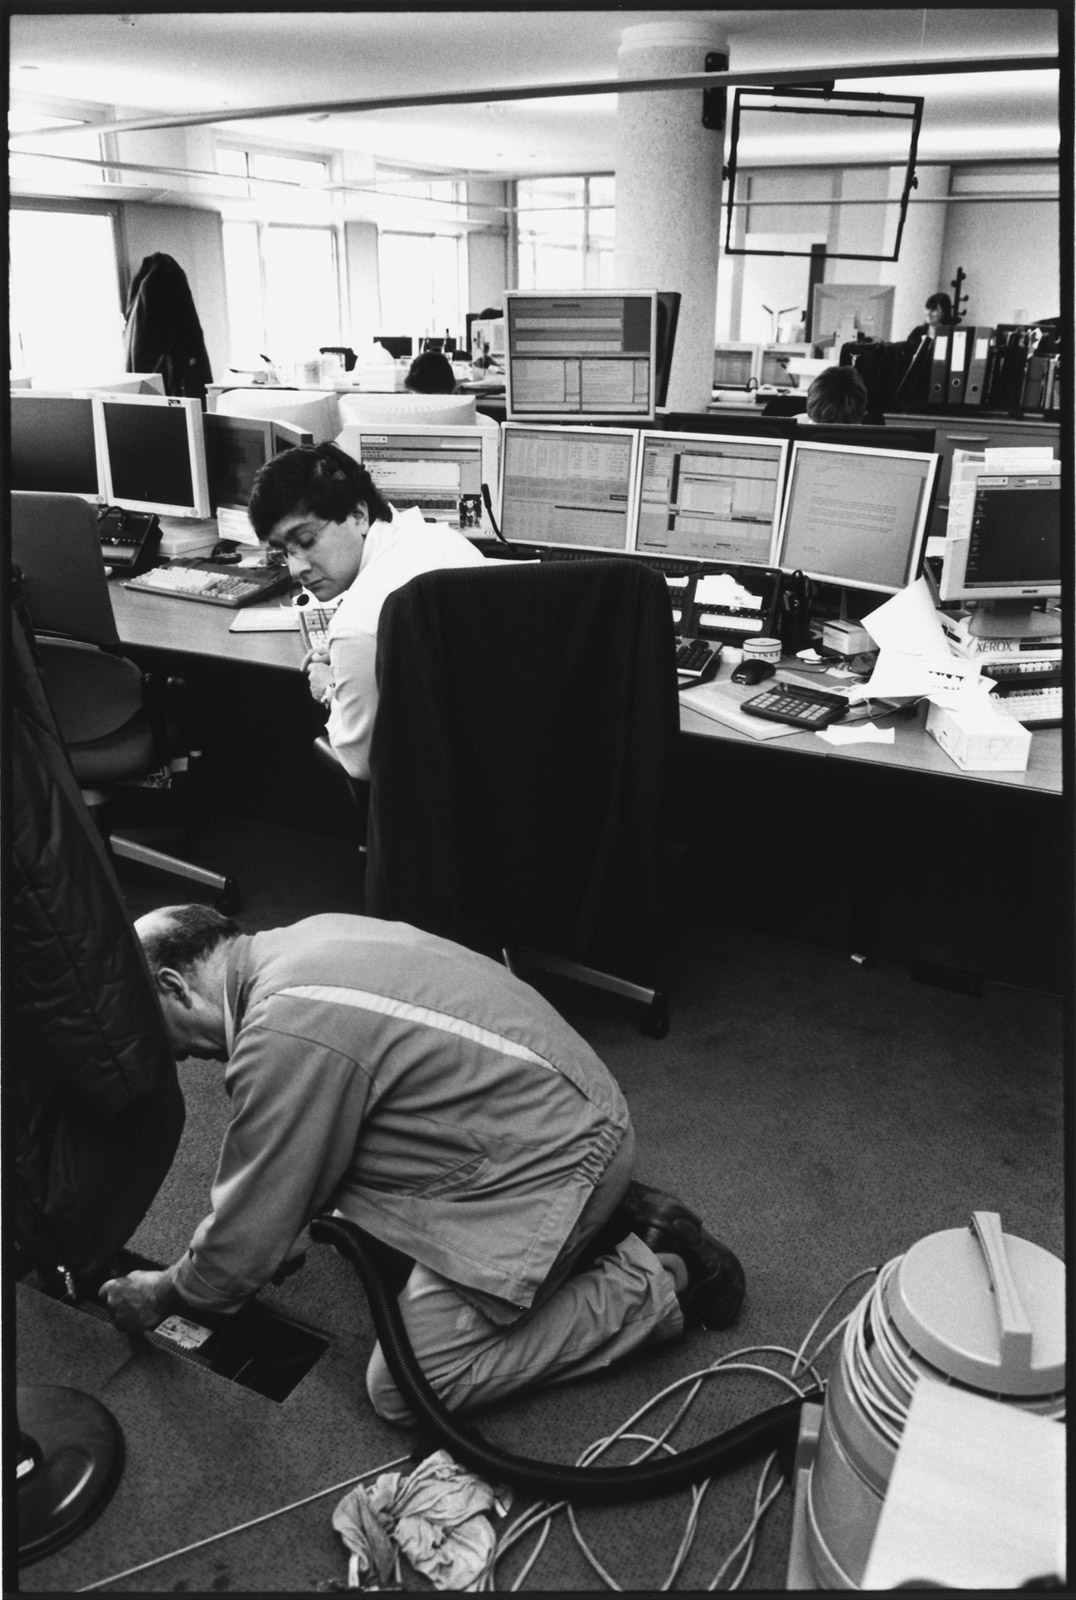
798, 706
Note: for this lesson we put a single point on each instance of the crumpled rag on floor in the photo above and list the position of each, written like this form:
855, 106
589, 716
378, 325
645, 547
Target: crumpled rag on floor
433, 1516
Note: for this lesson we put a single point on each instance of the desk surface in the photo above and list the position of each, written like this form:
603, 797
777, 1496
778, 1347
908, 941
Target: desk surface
188, 627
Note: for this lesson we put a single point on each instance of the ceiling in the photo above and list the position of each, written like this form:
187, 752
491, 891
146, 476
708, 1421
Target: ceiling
161, 63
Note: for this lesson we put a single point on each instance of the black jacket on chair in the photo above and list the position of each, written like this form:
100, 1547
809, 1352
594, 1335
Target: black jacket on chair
93, 1104
526, 729
163, 333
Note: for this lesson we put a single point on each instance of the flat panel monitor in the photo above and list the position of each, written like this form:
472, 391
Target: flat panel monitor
485, 339
154, 454
735, 366
592, 353
400, 346
236, 449
857, 518
702, 497
1010, 554
773, 364
440, 470
54, 444
568, 487
861, 436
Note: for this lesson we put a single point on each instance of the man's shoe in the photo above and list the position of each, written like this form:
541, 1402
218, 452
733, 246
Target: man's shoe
715, 1278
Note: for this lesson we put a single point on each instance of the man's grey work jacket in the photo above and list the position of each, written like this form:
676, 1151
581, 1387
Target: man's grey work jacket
419, 1089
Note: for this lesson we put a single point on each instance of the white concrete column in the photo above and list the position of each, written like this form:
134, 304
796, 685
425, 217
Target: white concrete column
668, 193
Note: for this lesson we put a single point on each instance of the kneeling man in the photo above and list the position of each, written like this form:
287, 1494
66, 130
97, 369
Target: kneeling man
440, 1103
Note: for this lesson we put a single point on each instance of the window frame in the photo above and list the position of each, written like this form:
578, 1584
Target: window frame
73, 207
592, 245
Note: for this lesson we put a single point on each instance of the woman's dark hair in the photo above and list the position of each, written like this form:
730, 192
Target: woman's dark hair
941, 302
184, 936
837, 395
431, 373
320, 479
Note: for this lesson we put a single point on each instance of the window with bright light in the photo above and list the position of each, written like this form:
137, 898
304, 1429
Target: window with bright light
283, 292
66, 326
565, 230
39, 164
421, 253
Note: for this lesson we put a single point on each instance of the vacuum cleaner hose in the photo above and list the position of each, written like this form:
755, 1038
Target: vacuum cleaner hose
775, 1429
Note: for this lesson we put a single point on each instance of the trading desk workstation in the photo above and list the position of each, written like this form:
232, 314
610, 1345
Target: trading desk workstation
775, 544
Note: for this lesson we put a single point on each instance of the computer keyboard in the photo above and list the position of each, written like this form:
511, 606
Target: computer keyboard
314, 626
216, 586
799, 707
1035, 708
697, 659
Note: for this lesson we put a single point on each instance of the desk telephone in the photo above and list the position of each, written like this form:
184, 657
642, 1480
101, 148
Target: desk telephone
129, 540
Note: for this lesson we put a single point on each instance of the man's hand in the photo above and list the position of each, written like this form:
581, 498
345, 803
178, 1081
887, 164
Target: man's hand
139, 1301
319, 674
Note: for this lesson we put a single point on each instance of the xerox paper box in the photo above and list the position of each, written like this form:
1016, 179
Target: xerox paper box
980, 738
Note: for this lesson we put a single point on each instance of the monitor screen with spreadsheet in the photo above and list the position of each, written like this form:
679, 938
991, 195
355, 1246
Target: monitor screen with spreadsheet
592, 353
567, 487
854, 517
154, 454
54, 444
437, 469
702, 497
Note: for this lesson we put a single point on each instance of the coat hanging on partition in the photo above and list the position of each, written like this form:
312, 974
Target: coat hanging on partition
163, 333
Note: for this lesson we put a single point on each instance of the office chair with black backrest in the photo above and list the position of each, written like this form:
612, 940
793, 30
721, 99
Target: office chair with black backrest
115, 726
526, 729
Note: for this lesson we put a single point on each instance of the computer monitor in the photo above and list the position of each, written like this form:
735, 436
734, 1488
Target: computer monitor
485, 338
857, 518
773, 364
236, 448
130, 383
861, 435
440, 470
400, 346
55, 447
591, 353
154, 454
568, 488
1008, 554
702, 497
735, 366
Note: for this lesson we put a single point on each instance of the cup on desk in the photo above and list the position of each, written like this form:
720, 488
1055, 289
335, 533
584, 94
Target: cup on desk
762, 649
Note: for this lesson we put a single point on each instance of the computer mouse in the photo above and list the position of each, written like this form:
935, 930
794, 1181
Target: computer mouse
752, 672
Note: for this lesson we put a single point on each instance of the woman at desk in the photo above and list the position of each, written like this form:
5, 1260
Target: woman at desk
341, 538
939, 314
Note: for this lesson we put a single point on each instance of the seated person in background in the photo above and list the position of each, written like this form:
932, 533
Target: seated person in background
431, 373
436, 1100
939, 314
837, 395
341, 537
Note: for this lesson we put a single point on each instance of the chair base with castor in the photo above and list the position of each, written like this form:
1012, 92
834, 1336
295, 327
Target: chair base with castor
69, 1462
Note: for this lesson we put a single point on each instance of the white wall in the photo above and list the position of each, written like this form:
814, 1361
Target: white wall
1010, 253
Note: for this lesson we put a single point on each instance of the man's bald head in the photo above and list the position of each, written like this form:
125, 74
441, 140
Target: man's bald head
182, 937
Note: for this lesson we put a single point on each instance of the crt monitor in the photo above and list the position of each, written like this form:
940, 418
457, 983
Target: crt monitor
1007, 555
440, 470
857, 518
55, 445
236, 448
154, 454
400, 346
735, 366
703, 497
592, 353
568, 488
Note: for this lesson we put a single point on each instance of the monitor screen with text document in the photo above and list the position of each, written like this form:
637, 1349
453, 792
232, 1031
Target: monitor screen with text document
591, 353
855, 517
568, 487
704, 497
440, 470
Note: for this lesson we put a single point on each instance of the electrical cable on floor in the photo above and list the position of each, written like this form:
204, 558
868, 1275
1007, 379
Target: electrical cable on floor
242, 1527
540, 1517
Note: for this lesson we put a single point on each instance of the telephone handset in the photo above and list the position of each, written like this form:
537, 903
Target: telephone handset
129, 540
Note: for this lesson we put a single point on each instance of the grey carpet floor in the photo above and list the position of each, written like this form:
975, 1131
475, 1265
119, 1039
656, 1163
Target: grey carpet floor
823, 1117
